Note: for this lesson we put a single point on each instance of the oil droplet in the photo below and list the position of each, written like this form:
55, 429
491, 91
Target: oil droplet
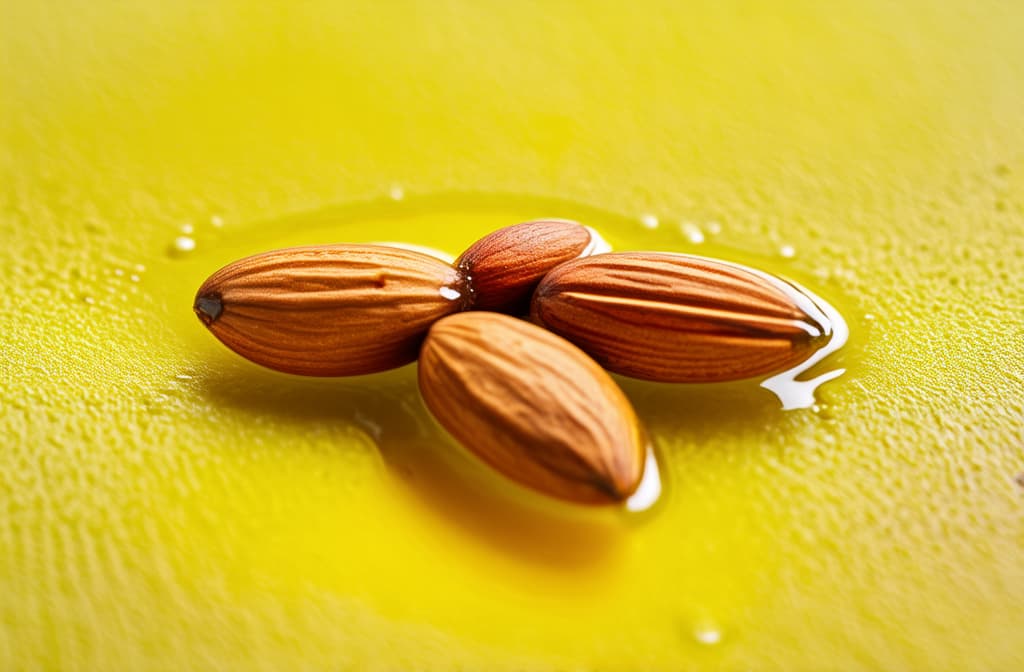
134, 277
714, 228
787, 251
118, 272
692, 232
396, 193
140, 268
183, 245
649, 490
217, 221
649, 221
795, 393
869, 316
707, 634
187, 228
88, 299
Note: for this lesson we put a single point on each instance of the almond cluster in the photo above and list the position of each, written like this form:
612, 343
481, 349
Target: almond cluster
532, 398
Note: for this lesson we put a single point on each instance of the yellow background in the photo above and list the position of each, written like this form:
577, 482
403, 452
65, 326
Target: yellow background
165, 505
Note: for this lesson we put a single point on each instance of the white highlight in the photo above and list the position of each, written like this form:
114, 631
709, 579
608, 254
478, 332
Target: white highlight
597, 244
649, 490
450, 293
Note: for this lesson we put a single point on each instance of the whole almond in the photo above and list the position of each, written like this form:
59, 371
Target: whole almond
533, 406
679, 318
329, 310
505, 266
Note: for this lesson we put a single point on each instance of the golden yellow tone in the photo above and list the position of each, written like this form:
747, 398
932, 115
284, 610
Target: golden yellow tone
166, 504
505, 266
533, 406
329, 310
679, 318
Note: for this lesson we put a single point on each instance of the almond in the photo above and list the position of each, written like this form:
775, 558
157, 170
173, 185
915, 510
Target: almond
533, 406
505, 266
679, 318
330, 310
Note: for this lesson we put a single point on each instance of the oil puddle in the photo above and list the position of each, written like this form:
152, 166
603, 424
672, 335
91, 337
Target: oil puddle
443, 224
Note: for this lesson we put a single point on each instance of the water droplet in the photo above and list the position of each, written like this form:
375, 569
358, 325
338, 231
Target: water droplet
649, 221
692, 232
183, 245
649, 490
396, 193
187, 228
217, 221
787, 251
795, 393
450, 293
707, 634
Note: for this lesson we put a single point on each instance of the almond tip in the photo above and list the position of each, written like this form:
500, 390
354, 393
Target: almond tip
208, 307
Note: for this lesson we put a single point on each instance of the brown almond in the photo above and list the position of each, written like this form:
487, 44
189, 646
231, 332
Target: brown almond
533, 406
329, 310
505, 266
679, 318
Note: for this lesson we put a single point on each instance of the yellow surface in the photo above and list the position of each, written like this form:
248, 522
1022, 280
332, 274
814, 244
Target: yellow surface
165, 505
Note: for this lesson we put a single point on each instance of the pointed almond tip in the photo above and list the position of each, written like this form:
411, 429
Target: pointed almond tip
208, 307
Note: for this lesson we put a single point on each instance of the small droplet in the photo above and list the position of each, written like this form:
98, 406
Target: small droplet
869, 316
140, 268
714, 228
787, 251
692, 232
396, 193
183, 245
118, 272
187, 228
707, 634
217, 221
649, 221
134, 277
88, 299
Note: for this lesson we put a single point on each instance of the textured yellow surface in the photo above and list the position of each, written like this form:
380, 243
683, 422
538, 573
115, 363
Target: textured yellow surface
165, 505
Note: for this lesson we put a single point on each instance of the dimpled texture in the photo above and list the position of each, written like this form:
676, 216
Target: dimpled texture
162, 500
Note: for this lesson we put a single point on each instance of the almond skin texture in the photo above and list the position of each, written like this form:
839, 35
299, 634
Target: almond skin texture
329, 310
533, 406
505, 266
679, 318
